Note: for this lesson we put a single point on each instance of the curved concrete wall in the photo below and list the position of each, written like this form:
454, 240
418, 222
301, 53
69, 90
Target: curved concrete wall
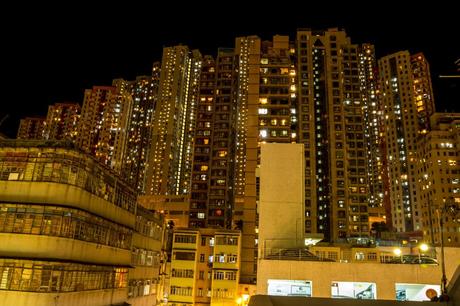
86, 298
65, 195
44, 247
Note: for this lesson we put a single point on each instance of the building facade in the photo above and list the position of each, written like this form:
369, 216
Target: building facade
439, 179
170, 159
406, 103
62, 121
31, 128
133, 159
102, 126
71, 231
205, 267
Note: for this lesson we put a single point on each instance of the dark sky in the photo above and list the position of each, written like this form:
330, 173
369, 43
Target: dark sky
52, 53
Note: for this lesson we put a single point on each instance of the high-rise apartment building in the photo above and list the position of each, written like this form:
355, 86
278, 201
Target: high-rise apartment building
212, 174
368, 73
379, 206
139, 125
423, 91
102, 126
62, 121
318, 90
220, 197
277, 92
202, 147
31, 128
333, 90
438, 180
406, 102
170, 159
117, 122
247, 51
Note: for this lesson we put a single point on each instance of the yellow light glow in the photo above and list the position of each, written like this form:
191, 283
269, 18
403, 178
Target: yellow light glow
423, 247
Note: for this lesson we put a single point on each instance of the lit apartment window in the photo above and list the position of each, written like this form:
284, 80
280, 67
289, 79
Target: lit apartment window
263, 111
359, 256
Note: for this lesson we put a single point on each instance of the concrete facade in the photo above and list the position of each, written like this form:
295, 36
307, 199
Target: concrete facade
281, 208
322, 274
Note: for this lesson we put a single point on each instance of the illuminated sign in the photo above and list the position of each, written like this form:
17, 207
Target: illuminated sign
416, 292
354, 290
289, 287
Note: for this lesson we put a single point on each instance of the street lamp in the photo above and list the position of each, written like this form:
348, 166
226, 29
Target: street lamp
422, 248
397, 252
243, 300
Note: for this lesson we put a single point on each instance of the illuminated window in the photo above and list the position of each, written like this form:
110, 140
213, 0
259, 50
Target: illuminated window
263, 111
222, 153
273, 122
359, 256
204, 168
263, 100
263, 133
264, 61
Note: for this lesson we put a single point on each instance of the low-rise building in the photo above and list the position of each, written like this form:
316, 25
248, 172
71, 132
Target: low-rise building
71, 232
205, 267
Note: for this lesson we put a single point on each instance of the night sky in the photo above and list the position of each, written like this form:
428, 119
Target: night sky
51, 54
